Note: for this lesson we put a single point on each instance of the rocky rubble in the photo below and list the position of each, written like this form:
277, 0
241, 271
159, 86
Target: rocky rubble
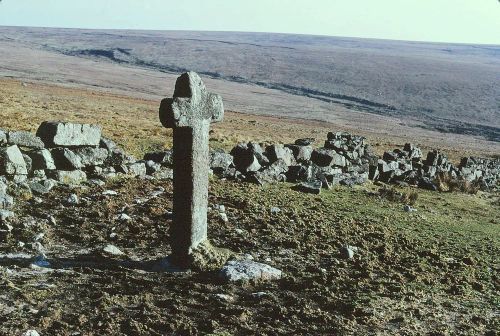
348, 160
63, 154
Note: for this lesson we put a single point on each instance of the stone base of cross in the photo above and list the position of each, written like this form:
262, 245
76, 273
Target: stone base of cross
190, 113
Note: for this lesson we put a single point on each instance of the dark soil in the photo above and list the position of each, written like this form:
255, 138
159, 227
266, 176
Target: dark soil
433, 272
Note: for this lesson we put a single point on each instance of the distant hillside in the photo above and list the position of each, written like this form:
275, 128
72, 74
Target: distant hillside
452, 88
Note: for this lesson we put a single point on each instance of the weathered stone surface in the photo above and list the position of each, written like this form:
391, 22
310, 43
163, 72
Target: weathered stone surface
136, 169
164, 174
152, 167
107, 144
91, 156
164, 158
327, 157
309, 187
42, 187
6, 201
42, 159
248, 270
274, 173
12, 161
28, 162
65, 134
24, 139
244, 158
69, 177
3, 137
66, 159
305, 141
279, 152
301, 153
189, 113
220, 161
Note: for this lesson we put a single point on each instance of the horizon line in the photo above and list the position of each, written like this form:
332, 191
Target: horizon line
258, 32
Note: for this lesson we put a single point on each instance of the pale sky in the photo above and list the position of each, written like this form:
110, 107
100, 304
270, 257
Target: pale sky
462, 21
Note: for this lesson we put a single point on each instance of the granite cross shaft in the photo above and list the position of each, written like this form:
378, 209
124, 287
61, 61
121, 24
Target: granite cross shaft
189, 113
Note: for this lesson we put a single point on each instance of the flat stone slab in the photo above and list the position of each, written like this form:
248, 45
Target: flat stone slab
248, 270
55, 133
12, 161
25, 139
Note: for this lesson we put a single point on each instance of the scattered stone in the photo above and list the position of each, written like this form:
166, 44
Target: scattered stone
109, 193
275, 210
347, 252
247, 270
223, 217
73, 199
408, 208
42, 187
112, 250
123, 217
137, 169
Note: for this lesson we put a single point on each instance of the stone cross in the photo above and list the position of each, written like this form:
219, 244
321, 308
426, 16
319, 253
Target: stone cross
189, 113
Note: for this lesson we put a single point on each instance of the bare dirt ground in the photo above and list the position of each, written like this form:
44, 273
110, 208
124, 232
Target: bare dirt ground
430, 272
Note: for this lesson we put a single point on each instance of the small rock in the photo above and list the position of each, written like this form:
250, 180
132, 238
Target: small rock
275, 210
247, 270
113, 235
6, 214
259, 294
73, 199
109, 193
113, 250
124, 217
309, 187
31, 332
39, 236
408, 208
223, 217
20, 244
347, 252
239, 231
224, 297
52, 220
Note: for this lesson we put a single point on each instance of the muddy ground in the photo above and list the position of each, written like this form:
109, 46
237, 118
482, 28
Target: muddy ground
430, 272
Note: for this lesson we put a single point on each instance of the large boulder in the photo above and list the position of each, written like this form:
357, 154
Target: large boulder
244, 157
220, 161
69, 177
276, 172
279, 152
24, 139
66, 159
324, 157
42, 159
301, 153
91, 156
12, 161
64, 134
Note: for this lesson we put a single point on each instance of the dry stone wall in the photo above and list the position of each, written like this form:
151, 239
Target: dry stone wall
63, 153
